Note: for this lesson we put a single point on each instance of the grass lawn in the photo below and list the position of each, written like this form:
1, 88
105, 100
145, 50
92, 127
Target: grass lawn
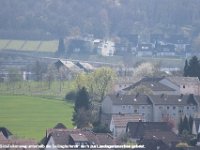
29, 117
39, 89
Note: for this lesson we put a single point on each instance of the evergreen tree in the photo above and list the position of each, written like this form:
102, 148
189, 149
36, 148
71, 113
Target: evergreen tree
180, 126
82, 100
61, 48
193, 67
186, 69
190, 124
82, 111
186, 124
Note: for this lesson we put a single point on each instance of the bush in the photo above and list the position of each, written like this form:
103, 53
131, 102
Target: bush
71, 96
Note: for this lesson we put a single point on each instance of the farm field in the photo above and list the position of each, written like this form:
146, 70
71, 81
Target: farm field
3, 43
29, 117
48, 46
27, 45
31, 46
15, 44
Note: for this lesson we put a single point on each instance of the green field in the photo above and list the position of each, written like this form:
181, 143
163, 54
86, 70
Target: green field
29, 117
57, 90
15, 44
48, 46
3, 43
27, 45
31, 46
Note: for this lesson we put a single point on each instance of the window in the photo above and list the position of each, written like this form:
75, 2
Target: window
174, 107
183, 86
129, 107
135, 111
167, 107
188, 107
123, 106
142, 107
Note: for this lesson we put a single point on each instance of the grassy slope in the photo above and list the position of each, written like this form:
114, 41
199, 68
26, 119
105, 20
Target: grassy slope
29, 117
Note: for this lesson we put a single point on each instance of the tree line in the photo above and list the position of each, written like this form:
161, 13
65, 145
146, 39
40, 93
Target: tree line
102, 18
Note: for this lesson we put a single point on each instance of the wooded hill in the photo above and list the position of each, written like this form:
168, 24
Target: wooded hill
44, 19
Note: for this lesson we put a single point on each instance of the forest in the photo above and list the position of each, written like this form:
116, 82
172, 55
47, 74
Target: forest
48, 19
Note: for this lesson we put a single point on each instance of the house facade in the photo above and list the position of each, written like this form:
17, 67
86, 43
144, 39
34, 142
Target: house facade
173, 107
107, 48
118, 123
128, 104
153, 107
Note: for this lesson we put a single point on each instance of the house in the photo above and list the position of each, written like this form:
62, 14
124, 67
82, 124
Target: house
67, 69
77, 138
153, 107
154, 85
67, 65
85, 66
185, 85
145, 49
118, 123
152, 144
179, 41
172, 85
173, 107
5, 132
7, 139
107, 48
128, 104
165, 50
138, 131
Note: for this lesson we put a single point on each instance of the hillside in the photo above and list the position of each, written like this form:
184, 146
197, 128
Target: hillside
49, 19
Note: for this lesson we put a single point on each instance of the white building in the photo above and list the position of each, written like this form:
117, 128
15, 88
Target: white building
107, 48
128, 104
153, 107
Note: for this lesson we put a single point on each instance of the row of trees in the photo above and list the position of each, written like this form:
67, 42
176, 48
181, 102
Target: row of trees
185, 125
